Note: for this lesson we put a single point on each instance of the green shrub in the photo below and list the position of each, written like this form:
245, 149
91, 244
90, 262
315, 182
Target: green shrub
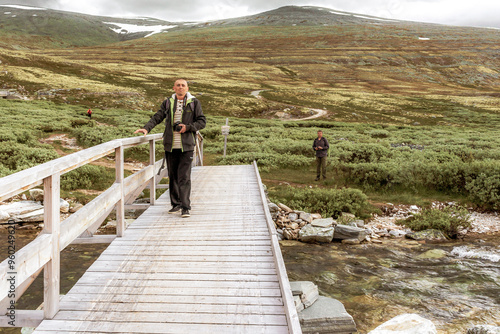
449, 220
485, 191
88, 177
379, 133
328, 202
16, 157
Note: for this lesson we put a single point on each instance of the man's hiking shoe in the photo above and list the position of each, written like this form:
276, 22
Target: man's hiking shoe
185, 213
175, 209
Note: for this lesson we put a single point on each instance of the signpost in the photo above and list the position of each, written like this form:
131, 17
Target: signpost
225, 133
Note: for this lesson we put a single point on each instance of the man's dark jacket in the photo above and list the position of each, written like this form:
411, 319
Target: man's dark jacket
192, 117
321, 143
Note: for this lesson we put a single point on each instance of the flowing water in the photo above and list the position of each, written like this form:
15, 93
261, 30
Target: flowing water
455, 284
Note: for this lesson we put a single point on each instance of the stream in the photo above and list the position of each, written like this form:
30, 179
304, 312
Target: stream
454, 284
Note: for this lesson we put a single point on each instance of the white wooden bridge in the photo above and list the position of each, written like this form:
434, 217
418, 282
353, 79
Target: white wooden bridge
219, 271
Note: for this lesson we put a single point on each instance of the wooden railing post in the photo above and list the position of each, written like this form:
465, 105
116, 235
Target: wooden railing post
120, 206
152, 183
51, 270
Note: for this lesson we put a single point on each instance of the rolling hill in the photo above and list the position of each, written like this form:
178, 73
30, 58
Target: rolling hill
358, 68
23, 27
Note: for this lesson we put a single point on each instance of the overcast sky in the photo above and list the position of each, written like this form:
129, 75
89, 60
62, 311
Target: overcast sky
484, 13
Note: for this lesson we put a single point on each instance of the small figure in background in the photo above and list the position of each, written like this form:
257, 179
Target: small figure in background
89, 113
321, 146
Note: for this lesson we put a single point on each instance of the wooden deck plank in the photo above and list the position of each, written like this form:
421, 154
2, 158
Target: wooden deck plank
171, 308
67, 327
146, 290
185, 299
162, 317
176, 277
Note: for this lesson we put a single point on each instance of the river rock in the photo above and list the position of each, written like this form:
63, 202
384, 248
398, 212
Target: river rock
4, 216
310, 233
75, 207
308, 292
284, 207
288, 234
359, 223
346, 218
352, 241
315, 216
433, 254
307, 217
298, 303
428, 235
63, 206
20, 208
326, 315
31, 217
36, 195
273, 208
484, 329
397, 233
293, 217
348, 232
406, 324
327, 222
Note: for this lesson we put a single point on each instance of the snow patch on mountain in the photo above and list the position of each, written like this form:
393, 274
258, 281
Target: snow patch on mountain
23, 7
132, 28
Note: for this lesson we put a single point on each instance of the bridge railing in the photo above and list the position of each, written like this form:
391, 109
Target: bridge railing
20, 269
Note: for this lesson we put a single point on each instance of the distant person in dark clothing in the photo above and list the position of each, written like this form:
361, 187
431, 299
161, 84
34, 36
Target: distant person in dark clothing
89, 113
321, 147
183, 117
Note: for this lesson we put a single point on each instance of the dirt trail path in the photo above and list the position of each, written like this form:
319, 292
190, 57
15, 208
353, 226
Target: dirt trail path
319, 112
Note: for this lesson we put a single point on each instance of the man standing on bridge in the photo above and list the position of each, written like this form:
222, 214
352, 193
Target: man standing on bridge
321, 147
183, 117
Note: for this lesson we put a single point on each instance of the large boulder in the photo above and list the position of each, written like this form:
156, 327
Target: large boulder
310, 233
326, 315
326, 222
406, 324
307, 291
344, 232
20, 208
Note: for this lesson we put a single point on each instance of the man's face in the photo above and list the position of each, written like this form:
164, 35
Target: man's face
181, 88
320, 134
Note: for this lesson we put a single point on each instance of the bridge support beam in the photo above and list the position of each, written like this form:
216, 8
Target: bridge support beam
51, 272
120, 206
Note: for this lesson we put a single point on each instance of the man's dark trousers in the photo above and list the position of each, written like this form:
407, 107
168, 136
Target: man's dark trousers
320, 167
179, 174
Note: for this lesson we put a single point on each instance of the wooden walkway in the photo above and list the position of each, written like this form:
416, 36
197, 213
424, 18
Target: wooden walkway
214, 272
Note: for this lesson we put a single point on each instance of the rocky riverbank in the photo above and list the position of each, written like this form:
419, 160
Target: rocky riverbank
307, 227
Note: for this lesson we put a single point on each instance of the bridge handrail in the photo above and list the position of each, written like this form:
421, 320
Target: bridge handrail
44, 251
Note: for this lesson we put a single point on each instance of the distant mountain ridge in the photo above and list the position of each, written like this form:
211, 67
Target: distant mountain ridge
28, 27
32, 27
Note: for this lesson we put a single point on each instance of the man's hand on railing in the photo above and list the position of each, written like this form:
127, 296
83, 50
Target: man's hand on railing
141, 131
